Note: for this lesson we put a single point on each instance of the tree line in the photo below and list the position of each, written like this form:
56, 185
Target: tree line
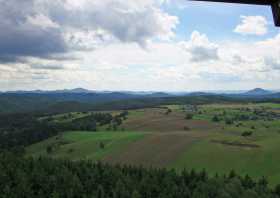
19, 130
52, 178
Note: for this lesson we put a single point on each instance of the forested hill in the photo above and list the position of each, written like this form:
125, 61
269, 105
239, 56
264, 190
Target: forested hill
26, 102
69, 102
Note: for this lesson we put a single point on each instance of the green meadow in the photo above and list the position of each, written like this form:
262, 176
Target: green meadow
172, 141
84, 145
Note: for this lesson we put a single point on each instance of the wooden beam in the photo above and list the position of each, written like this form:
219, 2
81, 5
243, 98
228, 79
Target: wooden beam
276, 12
253, 2
275, 5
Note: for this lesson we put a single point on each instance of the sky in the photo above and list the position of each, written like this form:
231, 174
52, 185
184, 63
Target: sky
137, 45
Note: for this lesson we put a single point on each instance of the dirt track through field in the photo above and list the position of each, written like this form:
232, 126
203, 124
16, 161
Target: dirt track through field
157, 150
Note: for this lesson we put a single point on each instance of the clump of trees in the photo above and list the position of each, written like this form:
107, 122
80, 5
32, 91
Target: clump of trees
19, 130
168, 111
229, 121
189, 116
247, 133
246, 114
117, 120
239, 124
101, 145
49, 149
45, 178
216, 118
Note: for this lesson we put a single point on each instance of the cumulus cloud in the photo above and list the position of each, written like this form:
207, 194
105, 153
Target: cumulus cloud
41, 21
99, 45
164, 66
21, 35
252, 25
272, 63
128, 21
200, 48
41, 28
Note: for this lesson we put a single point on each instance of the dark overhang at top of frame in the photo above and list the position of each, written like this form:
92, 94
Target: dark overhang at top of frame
275, 5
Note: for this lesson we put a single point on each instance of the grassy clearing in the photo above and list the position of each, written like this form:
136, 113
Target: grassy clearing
220, 158
84, 145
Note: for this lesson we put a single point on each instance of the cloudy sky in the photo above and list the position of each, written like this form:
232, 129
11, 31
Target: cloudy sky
164, 45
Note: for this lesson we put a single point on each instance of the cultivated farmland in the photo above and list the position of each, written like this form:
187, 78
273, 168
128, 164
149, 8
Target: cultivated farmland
215, 137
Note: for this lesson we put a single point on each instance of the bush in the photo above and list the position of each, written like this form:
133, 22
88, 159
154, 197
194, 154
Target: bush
49, 149
186, 128
188, 116
247, 133
115, 127
168, 111
71, 150
239, 124
229, 121
101, 145
215, 118
277, 190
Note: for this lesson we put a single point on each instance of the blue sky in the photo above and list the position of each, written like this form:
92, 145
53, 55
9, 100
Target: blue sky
217, 20
143, 45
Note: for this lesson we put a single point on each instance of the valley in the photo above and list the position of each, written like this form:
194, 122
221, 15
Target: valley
216, 137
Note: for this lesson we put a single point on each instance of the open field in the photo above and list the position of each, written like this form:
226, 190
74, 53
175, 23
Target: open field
156, 120
249, 143
84, 145
157, 150
221, 158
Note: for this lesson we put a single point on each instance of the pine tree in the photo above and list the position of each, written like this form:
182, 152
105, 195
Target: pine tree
100, 192
135, 194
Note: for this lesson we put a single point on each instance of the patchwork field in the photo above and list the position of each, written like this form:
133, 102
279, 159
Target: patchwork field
157, 150
216, 137
84, 145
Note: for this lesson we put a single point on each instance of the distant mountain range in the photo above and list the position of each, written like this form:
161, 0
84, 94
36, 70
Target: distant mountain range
86, 91
83, 99
253, 92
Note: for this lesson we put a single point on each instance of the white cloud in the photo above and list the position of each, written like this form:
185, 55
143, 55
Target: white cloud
101, 47
42, 21
128, 21
41, 28
252, 25
200, 48
272, 63
161, 66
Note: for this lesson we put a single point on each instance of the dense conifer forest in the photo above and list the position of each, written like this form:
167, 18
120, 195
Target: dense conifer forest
19, 130
50, 178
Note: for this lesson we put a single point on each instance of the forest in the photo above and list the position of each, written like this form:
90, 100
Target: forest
99, 134
50, 178
19, 130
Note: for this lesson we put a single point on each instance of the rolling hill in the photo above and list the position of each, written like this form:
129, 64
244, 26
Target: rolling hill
257, 92
80, 99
